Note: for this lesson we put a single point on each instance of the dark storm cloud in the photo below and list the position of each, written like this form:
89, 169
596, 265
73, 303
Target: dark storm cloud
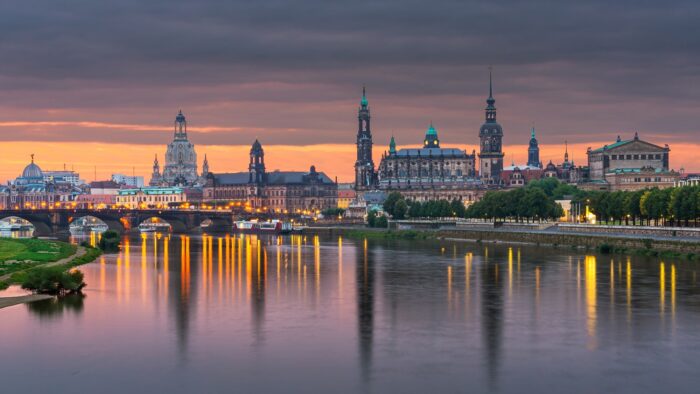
581, 70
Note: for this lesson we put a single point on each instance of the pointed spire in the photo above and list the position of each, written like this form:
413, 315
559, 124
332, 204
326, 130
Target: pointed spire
490, 84
364, 101
392, 145
32, 155
532, 133
566, 151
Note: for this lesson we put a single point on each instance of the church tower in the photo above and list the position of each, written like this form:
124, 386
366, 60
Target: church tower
205, 167
364, 166
256, 168
156, 178
491, 138
533, 152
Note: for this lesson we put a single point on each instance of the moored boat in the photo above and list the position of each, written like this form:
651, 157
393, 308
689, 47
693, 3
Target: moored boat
257, 227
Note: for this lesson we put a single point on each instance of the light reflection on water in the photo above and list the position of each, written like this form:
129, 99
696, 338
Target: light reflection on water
303, 313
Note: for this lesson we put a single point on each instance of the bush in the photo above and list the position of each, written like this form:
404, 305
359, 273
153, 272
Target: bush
605, 248
53, 280
110, 241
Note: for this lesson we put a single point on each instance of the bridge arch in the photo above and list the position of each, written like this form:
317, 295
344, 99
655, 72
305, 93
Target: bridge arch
41, 223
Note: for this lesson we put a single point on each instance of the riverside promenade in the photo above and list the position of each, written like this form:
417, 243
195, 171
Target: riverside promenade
663, 239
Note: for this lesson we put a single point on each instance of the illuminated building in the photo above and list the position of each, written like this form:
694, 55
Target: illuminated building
276, 191
151, 197
180, 160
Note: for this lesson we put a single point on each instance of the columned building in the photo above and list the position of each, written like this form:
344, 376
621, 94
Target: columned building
491, 139
629, 165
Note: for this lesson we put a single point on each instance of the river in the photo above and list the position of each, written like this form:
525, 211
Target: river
247, 314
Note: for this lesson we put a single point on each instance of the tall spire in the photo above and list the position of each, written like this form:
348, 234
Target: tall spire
392, 145
532, 132
490, 84
363, 101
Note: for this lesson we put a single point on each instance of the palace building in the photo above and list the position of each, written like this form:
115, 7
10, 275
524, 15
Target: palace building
275, 191
432, 171
631, 164
180, 160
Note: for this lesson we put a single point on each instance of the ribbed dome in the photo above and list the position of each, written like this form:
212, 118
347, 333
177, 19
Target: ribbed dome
32, 171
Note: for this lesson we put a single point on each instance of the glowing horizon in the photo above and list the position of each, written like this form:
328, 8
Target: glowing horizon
333, 159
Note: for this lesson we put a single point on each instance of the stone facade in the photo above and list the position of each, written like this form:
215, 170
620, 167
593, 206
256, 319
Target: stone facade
276, 191
180, 160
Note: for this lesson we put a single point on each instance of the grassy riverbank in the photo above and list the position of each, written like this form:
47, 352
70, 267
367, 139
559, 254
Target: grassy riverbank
38, 254
20, 254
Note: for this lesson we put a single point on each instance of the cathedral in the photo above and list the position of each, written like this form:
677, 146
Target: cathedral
431, 171
180, 161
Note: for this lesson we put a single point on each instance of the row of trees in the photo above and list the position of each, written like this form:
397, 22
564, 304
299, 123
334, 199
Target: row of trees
678, 206
534, 202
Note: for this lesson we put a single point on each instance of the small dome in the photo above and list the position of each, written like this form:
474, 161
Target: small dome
180, 118
32, 171
431, 130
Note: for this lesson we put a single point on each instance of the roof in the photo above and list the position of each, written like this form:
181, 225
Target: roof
521, 167
638, 170
283, 177
447, 152
104, 185
611, 146
273, 178
231, 178
150, 191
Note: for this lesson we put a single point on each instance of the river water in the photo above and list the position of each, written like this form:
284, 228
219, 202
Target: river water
247, 314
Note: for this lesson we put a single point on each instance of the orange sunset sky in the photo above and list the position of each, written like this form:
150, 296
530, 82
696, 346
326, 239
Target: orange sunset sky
333, 159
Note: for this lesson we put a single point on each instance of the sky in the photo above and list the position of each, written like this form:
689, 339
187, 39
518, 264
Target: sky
95, 85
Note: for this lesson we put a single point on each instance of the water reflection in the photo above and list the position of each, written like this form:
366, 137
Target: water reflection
56, 307
375, 316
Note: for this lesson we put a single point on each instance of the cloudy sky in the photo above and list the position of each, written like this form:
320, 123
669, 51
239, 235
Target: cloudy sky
96, 84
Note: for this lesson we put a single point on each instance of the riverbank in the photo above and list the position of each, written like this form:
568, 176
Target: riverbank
604, 242
10, 301
82, 255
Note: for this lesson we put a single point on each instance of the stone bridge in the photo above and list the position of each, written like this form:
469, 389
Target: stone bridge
49, 221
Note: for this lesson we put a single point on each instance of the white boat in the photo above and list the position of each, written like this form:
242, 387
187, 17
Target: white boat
154, 227
7, 226
256, 227
86, 226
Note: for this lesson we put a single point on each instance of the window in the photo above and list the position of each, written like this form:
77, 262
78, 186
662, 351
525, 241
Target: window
613, 157
628, 157
644, 157
636, 157
658, 157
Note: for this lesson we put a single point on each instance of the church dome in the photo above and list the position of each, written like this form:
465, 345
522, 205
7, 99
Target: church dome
32, 171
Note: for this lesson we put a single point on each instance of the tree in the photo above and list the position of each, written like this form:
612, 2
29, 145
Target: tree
390, 201
457, 208
415, 210
400, 209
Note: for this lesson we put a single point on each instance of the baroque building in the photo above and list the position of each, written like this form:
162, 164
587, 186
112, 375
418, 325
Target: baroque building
180, 160
429, 172
33, 190
275, 191
631, 164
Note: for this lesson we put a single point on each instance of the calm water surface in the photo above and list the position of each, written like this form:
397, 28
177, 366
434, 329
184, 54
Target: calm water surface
302, 314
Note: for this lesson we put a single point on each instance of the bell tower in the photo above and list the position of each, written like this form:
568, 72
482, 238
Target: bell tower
491, 139
364, 166
256, 168
533, 151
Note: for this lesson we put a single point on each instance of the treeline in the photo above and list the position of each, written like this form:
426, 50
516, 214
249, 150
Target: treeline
533, 202
678, 206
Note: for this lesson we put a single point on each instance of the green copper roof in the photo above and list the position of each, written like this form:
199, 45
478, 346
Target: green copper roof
611, 146
431, 130
392, 145
363, 102
532, 133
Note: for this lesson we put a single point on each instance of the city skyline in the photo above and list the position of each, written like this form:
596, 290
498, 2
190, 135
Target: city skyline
291, 74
